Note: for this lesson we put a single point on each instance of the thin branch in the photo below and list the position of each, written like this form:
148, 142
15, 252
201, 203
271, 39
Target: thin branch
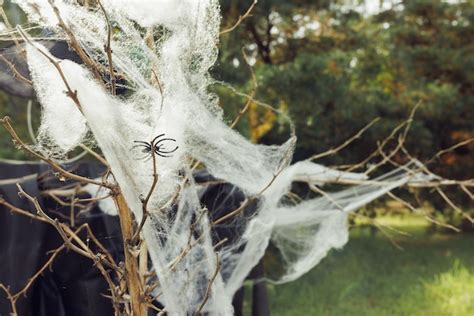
454, 206
95, 155
209, 286
401, 141
349, 141
72, 94
16, 73
146, 200
108, 49
29, 121
6, 122
160, 87
75, 44
467, 191
61, 202
256, 196
10, 299
64, 231
252, 94
427, 216
262, 104
382, 144
450, 149
49, 262
189, 245
241, 18
68, 236
371, 220
8, 24
20, 211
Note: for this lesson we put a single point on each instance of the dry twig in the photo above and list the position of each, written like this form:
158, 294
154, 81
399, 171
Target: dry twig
17, 141
241, 18
108, 49
209, 285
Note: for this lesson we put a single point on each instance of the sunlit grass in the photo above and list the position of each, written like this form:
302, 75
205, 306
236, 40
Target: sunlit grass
432, 275
452, 292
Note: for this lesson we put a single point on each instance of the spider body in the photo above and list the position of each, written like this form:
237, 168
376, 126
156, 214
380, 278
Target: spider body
156, 146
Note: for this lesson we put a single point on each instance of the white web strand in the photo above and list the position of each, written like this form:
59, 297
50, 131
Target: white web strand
185, 111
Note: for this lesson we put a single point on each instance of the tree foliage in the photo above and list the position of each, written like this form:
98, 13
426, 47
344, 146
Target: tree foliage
334, 68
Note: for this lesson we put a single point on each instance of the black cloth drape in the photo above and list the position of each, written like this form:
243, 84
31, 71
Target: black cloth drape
74, 286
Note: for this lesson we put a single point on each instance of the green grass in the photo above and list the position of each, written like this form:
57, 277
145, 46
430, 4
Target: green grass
432, 275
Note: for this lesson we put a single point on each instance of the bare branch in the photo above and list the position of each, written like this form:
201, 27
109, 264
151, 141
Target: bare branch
335, 150
427, 215
16, 140
16, 73
160, 87
75, 44
146, 200
381, 145
72, 94
256, 196
209, 285
10, 299
241, 18
401, 141
467, 191
108, 49
95, 155
9, 26
450, 149
252, 94
454, 206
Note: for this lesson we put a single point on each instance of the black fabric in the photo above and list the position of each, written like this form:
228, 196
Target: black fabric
221, 198
74, 286
10, 169
21, 247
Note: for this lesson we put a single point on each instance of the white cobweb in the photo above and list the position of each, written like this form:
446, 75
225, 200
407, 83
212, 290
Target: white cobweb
185, 38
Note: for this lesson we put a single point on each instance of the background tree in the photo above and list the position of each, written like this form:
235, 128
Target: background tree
333, 68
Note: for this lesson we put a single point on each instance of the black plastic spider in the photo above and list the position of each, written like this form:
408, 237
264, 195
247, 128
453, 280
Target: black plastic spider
155, 145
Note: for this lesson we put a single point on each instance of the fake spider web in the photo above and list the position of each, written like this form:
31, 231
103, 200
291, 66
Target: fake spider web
184, 47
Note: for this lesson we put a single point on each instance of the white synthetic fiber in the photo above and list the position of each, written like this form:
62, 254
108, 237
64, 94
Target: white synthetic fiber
39, 11
62, 124
153, 12
185, 47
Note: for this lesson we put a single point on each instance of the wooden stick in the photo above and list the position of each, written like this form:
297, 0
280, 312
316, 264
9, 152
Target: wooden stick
131, 264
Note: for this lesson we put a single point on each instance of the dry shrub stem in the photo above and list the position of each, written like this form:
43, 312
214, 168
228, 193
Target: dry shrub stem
133, 295
108, 50
241, 18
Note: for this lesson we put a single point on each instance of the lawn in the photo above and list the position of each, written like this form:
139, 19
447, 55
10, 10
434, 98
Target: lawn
432, 275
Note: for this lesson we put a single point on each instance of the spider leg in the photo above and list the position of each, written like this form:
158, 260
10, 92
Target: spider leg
165, 139
141, 142
153, 141
146, 147
159, 150
164, 156
154, 147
